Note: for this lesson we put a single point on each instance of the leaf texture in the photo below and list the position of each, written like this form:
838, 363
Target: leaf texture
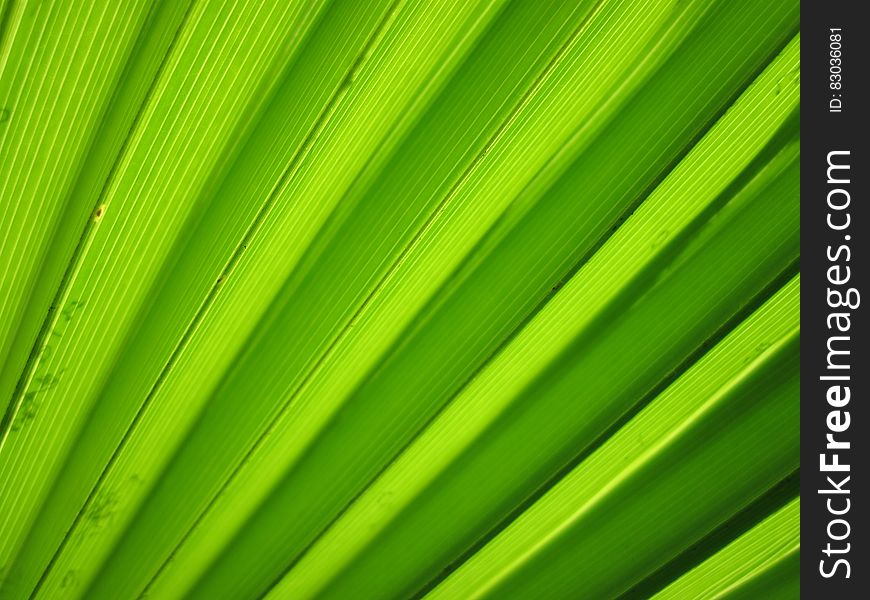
394, 299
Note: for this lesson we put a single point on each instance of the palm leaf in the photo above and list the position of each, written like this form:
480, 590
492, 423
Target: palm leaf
388, 299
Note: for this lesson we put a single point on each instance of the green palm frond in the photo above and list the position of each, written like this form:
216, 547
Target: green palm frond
393, 299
